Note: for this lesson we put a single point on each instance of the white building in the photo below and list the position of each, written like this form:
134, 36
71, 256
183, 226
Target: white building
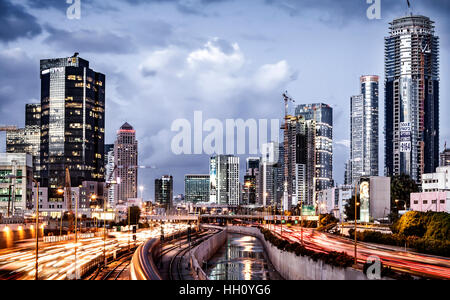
224, 180
438, 181
15, 192
334, 200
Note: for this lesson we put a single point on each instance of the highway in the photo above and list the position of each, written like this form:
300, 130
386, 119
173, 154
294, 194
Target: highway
408, 262
57, 260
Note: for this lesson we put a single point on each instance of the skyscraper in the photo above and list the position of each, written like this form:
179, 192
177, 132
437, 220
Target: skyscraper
126, 159
322, 114
164, 191
250, 187
224, 180
412, 97
72, 123
33, 135
364, 129
271, 176
300, 162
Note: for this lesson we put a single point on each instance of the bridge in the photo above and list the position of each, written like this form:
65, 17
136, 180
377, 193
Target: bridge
195, 218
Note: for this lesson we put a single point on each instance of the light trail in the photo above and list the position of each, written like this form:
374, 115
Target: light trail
57, 260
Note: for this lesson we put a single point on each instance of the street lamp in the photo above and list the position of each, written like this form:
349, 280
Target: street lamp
356, 227
397, 201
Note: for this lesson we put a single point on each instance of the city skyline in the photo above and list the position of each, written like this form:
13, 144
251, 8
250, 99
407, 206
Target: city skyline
232, 48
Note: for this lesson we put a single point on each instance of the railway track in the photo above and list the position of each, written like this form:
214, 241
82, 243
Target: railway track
176, 263
113, 270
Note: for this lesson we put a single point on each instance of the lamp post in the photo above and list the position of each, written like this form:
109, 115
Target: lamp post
36, 274
356, 227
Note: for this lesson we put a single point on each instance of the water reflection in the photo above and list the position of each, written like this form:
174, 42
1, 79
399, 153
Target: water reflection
241, 258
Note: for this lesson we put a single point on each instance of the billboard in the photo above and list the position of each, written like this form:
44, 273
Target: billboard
364, 193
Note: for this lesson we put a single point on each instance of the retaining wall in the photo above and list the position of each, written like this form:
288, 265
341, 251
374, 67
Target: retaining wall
205, 251
293, 267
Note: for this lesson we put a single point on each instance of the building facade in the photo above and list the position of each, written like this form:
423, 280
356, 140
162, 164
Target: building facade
72, 123
438, 181
196, 188
445, 157
431, 201
15, 192
364, 130
164, 192
322, 114
411, 97
301, 162
126, 159
271, 176
333, 201
28, 139
224, 180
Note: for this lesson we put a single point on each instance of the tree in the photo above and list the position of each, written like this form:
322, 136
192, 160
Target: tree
401, 188
350, 209
135, 215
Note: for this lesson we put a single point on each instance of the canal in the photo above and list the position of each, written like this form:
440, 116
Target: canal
241, 258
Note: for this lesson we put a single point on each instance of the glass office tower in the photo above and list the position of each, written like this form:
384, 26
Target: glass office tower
72, 123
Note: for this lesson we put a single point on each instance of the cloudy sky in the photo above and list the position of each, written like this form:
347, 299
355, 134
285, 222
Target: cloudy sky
230, 59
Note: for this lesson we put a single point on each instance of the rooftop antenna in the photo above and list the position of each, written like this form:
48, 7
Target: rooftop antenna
409, 7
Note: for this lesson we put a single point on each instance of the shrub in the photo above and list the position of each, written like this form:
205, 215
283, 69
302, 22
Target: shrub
333, 258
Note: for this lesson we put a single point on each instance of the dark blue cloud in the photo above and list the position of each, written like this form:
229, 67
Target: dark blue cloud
15, 22
89, 41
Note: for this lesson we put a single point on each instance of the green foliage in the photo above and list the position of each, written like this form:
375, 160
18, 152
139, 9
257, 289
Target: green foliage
401, 188
327, 220
333, 258
420, 244
350, 209
429, 225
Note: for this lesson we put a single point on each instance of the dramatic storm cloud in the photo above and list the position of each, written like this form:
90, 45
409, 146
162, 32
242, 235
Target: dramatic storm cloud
166, 59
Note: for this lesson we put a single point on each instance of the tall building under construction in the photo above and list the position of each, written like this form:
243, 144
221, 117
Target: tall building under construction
411, 97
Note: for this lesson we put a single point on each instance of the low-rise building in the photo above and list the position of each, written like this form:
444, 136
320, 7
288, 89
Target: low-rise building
431, 201
334, 200
438, 181
16, 180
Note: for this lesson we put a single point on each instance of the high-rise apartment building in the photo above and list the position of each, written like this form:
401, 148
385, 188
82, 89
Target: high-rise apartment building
299, 162
196, 188
224, 180
72, 123
126, 159
271, 176
364, 130
164, 191
322, 114
251, 182
411, 97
